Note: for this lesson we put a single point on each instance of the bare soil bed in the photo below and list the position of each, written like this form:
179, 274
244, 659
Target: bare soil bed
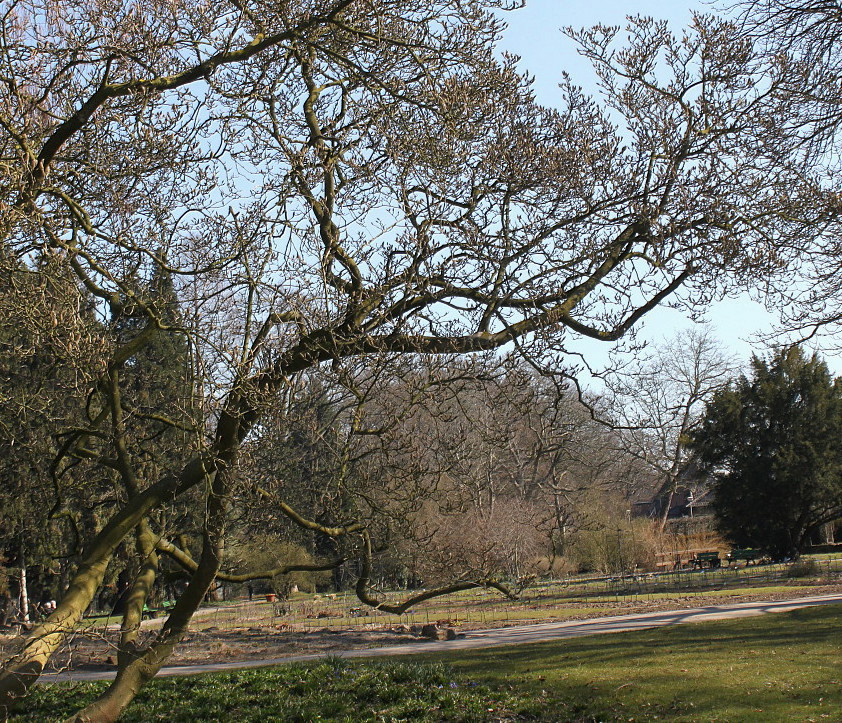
97, 651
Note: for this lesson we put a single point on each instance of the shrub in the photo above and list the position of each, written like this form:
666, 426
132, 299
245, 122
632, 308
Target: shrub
264, 552
803, 568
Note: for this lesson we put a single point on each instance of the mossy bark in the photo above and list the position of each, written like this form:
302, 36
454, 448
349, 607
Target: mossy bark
24, 668
139, 593
135, 669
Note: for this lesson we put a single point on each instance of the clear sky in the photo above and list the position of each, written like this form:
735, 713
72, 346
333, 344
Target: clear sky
534, 34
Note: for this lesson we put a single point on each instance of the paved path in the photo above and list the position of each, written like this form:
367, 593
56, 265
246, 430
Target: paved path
543, 632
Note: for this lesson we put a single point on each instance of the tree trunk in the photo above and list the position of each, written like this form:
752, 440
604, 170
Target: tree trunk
138, 668
666, 511
24, 593
139, 592
23, 669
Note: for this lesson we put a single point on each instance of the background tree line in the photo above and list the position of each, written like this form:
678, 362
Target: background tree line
481, 469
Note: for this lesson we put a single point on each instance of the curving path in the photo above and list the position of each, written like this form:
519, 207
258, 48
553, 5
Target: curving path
539, 633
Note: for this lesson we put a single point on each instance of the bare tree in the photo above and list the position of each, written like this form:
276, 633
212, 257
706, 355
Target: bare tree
659, 400
331, 180
500, 461
800, 41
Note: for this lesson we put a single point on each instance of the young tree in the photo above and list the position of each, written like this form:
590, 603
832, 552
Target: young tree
330, 180
772, 444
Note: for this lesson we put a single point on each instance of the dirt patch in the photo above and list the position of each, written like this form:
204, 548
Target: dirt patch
98, 651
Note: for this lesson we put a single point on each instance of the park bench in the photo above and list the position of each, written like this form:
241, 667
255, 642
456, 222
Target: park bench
679, 559
706, 559
672, 560
748, 555
153, 612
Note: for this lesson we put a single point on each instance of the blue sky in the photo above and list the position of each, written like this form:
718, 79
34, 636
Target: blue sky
534, 34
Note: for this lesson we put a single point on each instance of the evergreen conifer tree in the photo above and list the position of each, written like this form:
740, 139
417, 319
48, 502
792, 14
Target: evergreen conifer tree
773, 444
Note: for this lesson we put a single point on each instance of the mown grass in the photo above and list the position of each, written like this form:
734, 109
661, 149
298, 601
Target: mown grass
781, 667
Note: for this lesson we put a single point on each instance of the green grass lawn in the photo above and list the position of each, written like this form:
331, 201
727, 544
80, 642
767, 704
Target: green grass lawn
781, 667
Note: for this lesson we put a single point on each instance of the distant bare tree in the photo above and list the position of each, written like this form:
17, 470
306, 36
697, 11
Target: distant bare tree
660, 399
508, 457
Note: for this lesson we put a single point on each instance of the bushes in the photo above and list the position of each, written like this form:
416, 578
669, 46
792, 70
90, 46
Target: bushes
803, 568
264, 552
617, 544
613, 546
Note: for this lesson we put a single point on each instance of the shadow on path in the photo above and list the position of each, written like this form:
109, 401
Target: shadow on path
476, 639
